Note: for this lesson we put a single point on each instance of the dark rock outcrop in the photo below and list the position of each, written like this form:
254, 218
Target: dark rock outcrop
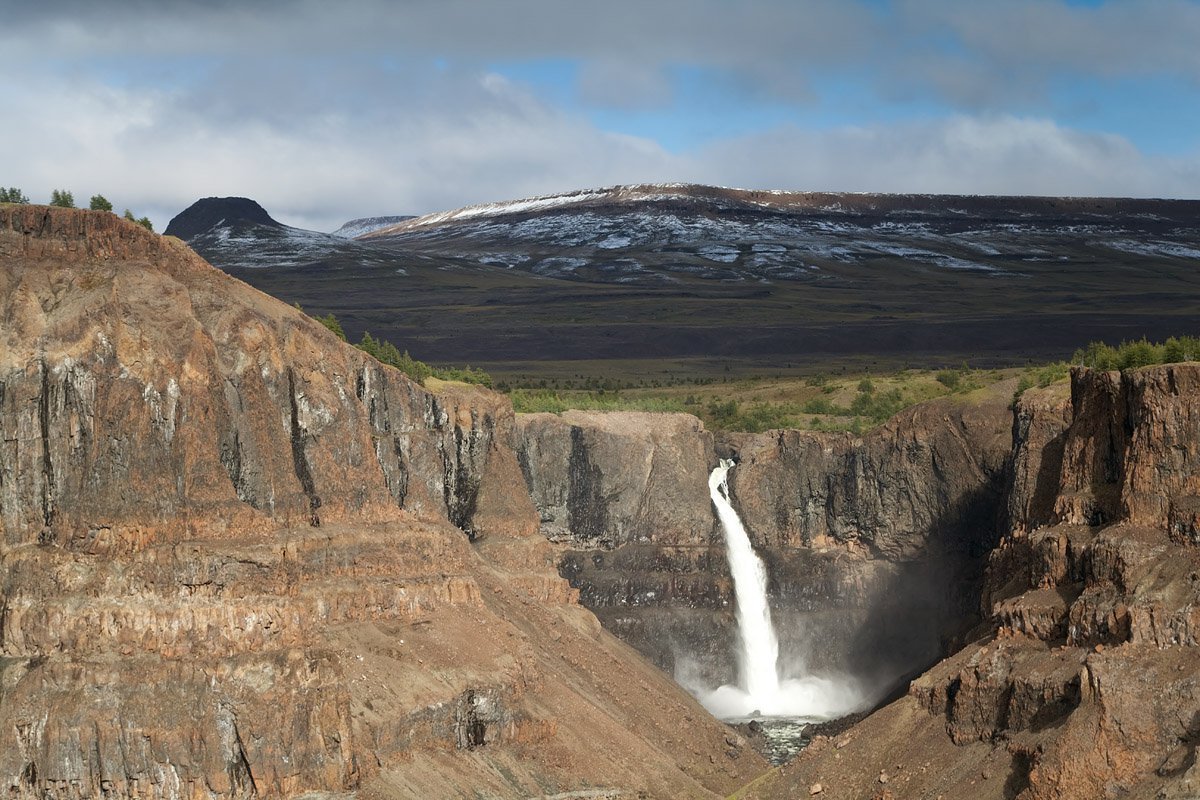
209, 212
874, 544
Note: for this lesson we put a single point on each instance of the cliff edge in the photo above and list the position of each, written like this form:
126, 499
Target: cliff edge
1085, 683
240, 558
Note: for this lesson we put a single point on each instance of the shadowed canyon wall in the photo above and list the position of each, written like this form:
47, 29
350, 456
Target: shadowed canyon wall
1083, 683
874, 544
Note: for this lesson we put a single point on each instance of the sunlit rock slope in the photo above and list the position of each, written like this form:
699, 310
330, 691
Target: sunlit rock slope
239, 558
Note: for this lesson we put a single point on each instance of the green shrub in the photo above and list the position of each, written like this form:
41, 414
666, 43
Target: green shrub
1140, 353
144, 221
820, 405
1051, 372
387, 353
877, 407
99, 203
13, 195
528, 401
949, 378
1183, 348
1023, 385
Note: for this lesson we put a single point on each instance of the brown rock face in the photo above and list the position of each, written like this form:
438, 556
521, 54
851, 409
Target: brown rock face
928, 477
240, 558
1084, 684
873, 544
603, 480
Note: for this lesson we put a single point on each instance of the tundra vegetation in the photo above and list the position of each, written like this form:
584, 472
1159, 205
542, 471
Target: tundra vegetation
850, 401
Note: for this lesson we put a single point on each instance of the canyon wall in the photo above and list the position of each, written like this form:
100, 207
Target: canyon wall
874, 544
1084, 683
241, 558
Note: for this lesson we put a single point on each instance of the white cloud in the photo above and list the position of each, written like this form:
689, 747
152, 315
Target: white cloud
153, 152
327, 111
611, 83
954, 155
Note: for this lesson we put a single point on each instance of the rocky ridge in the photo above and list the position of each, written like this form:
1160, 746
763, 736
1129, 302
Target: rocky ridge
1083, 682
242, 559
246, 236
208, 504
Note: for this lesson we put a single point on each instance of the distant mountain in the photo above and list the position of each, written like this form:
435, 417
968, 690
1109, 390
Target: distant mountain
364, 225
664, 232
234, 232
219, 212
728, 278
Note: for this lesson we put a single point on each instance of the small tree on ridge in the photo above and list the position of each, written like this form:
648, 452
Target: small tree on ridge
62, 198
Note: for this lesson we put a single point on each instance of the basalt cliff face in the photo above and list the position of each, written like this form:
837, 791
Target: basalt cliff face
240, 558
243, 559
1085, 681
875, 545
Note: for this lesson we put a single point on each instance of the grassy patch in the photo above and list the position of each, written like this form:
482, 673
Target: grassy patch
850, 401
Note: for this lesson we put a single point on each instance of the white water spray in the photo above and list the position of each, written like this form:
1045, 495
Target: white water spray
759, 657
760, 691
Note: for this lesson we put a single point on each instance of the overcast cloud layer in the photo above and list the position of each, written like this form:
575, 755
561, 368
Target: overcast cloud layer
325, 111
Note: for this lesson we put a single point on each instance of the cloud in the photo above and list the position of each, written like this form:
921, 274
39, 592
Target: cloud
1017, 41
465, 139
961, 154
1120, 37
326, 111
612, 83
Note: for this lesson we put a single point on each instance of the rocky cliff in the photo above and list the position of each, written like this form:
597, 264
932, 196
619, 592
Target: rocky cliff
1084, 683
875, 544
240, 558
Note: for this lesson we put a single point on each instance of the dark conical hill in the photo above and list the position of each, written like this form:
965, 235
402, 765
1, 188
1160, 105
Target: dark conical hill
209, 212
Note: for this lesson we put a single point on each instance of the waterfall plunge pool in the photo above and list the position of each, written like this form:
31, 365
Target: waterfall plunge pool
782, 709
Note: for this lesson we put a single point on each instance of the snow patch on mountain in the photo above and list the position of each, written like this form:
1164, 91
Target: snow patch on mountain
364, 225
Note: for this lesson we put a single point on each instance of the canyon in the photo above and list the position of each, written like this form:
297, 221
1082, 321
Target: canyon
241, 558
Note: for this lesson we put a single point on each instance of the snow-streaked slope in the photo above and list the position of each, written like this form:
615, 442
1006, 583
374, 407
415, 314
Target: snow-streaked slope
664, 232
238, 232
364, 225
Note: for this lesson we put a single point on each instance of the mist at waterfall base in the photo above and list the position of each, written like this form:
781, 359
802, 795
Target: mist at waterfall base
764, 690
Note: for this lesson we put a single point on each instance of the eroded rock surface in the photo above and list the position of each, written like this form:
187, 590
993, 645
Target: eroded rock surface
240, 558
1084, 684
874, 544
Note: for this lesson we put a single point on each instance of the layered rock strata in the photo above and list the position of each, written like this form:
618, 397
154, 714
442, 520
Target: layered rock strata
874, 544
1085, 682
240, 558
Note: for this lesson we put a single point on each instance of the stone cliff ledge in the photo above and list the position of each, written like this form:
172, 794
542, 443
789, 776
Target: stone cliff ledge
239, 558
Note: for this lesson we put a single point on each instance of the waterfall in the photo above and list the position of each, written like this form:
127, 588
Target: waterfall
761, 690
759, 656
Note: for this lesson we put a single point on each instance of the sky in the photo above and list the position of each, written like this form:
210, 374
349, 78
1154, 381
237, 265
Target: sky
326, 111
